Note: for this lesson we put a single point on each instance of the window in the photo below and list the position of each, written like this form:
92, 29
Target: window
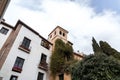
18, 64
40, 76
43, 58
13, 77
50, 36
4, 30
26, 42
63, 34
25, 45
60, 32
55, 33
45, 44
61, 77
43, 65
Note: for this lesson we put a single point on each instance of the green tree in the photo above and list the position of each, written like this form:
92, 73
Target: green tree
96, 47
108, 50
96, 67
103, 66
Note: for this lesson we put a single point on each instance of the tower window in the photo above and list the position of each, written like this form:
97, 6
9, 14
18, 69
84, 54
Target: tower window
63, 34
55, 33
60, 32
50, 36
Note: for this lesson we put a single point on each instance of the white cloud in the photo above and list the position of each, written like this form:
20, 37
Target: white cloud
80, 20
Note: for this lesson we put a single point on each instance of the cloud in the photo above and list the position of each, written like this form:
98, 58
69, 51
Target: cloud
30, 4
76, 16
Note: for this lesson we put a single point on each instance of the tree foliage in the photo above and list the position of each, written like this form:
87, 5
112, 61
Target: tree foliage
108, 50
105, 48
104, 64
96, 67
68, 52
62, 53
96, 47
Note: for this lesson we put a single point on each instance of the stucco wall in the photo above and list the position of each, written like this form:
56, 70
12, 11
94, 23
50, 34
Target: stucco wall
3, 37
30, 68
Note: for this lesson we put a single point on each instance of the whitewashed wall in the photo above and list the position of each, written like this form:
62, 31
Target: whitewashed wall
30, 67
3, 37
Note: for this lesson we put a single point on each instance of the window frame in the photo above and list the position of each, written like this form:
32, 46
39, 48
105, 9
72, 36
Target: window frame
61, 77
64, 34
26, 42
43, 64
50, 36
60, 32
45, 44
25, 45
12, 76
18, 65
55, 33
40, 76
4, 30
43, 58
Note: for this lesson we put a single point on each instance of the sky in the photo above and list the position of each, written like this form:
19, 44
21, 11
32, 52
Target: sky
83, 19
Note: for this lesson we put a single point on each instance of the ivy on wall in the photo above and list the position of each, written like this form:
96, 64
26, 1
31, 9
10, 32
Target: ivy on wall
61, 55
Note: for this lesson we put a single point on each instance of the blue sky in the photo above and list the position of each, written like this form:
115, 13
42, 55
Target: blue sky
98, 5
101, 5
83, 19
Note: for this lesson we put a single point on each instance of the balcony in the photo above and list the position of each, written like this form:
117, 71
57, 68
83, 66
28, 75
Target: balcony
24, 48
17, 69
45, 44
43, 65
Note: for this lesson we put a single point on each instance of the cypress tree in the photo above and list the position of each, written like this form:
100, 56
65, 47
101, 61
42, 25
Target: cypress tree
103, 66
96, 47
108, 50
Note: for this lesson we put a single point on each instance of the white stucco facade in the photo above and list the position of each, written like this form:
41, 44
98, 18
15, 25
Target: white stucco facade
4, 37
30, 68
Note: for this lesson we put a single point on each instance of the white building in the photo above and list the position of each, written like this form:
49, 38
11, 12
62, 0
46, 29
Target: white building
24, 53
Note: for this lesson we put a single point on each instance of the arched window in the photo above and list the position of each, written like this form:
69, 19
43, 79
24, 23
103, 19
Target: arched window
50, 36
60, 32
63, 34
55, 33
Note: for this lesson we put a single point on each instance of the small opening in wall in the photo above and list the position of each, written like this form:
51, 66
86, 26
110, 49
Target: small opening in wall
63, 34
55, 33
60, 32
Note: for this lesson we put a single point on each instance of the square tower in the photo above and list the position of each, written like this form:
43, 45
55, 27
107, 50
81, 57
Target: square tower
58, 33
